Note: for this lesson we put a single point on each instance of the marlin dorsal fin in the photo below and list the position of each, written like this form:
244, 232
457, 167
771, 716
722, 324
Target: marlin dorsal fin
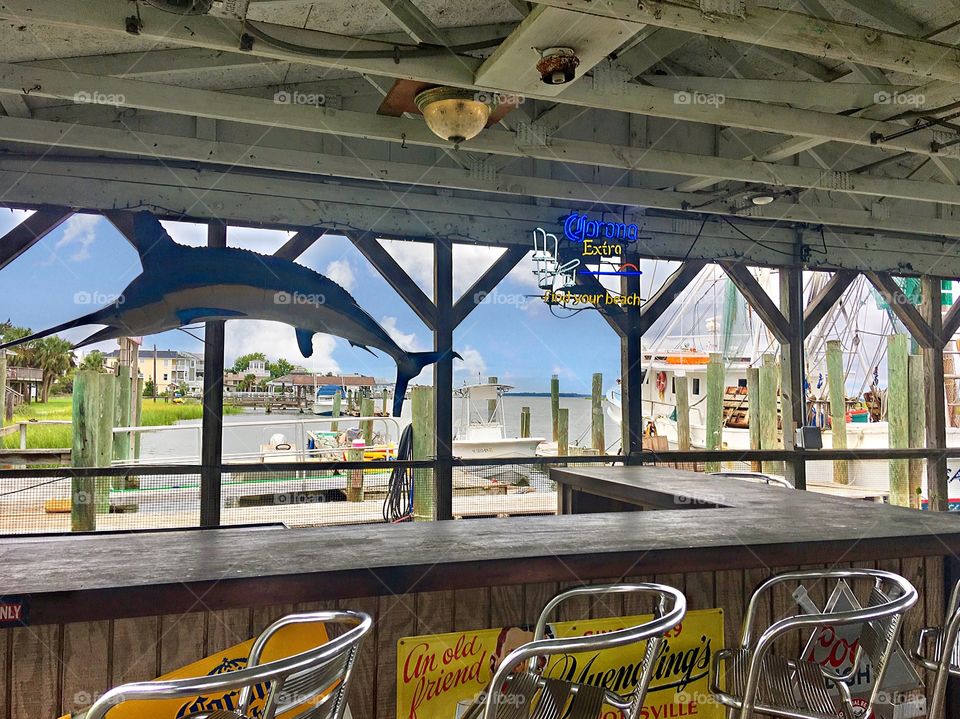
151, 240
305, 340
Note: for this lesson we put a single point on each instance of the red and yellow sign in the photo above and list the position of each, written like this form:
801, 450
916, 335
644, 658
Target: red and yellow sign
289, 640
436, 672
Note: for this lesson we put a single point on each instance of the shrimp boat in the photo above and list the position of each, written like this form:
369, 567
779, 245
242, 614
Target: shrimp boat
480, 433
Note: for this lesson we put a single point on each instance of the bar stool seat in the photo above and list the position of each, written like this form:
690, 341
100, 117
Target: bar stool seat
794, 685
550, 698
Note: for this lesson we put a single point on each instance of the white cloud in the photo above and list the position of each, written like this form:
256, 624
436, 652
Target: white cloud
186, 233
416, 258
276, 340
407, 341
341, 272
78, 235
472, 365
194, 234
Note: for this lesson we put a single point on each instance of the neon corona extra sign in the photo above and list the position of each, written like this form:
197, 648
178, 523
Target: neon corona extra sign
577, 228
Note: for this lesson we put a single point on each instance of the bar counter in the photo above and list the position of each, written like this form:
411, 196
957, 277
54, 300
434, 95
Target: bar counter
107, 609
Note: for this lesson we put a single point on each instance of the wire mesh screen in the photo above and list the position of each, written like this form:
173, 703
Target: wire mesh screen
63, 501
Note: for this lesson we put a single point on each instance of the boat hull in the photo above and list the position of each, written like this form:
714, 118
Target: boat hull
496, 448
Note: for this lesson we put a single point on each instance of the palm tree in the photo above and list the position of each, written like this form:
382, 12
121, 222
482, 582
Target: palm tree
94, 361
54, 356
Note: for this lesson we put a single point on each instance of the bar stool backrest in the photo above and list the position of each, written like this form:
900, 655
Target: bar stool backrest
945, 661
670, 606
312, 684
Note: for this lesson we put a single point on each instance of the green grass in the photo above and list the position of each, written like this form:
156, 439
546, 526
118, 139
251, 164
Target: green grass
155, 414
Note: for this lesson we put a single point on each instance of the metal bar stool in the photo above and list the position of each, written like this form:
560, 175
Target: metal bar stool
529, 695
757, 680
945, 658
312, 684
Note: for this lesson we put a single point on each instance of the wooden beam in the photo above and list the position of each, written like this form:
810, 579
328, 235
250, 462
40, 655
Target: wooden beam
443, 377
792, 31
825, 299
951, 322
793, 397
211, 445
395, 276
487, 282
656, 305
758, 298
631, 365
905, 312
613, 314
29, 232
298, 244
935, 413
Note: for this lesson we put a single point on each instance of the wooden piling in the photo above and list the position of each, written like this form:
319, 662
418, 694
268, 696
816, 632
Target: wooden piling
491, 403
3, 387
769, 429
136, 421
424, 447
682, 390
86, 416
355, 481
524, 422
596, 414
108, 394
366, 426
555, 406
838, 408
563, 432
384, 403
898, 415
753, 408
715, 374
121, 418
335, 411
917, 425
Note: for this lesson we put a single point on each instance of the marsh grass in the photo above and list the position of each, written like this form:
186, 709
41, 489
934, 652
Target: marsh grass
155, 413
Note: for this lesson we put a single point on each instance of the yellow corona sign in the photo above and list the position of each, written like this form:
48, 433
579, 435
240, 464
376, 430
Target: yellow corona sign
439, 675
288, 641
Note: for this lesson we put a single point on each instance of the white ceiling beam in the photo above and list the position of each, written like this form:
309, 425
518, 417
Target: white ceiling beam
15, 106
654, 48
217, 33
789, 31
181, 61
867, 73
890, 15
417, 25
229, 155
237, 108
833, 96
514, 61
810, 69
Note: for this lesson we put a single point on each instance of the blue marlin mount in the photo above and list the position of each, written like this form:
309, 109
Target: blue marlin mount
181, 285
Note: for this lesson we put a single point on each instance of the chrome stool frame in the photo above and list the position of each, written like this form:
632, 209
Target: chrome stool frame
544, 698
799, 689
760, 476
945, 660
293, 683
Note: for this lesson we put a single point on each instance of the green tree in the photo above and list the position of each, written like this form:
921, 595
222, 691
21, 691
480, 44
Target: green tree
248, 383
279, 368
184, 389
94, 361
54, 356
148, 388
243, 361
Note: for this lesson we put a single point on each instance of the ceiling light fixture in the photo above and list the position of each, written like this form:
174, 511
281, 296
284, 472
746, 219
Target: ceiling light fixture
762, 199
454, 114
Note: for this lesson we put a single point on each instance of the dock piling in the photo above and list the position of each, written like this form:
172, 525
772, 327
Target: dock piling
838, 408
753, 416
917, 422
769, 425
563, 432
596, 414
366, 410
335, 410
714, 406
898, 414
682, 390
524, 422
555, 406
424, 447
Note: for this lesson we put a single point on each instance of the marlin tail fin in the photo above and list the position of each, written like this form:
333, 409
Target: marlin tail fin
409, 368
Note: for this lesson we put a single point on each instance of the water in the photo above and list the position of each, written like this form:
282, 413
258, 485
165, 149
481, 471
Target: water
158, 446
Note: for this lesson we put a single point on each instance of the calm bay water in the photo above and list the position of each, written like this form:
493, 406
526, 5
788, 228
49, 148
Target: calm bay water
181, 443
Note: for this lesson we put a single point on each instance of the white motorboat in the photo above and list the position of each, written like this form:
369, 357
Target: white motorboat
480, 433
323, 401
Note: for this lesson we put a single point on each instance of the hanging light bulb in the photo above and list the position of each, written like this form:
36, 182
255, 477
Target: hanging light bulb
453, 114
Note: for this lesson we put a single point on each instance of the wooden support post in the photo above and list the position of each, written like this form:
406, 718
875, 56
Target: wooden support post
631, 364
87, 403
366, 410
563, 432
23, 435
753, 405
768, 410
137, 420
793, 374
211, 447
682, 390
715, 375
108, 393
355, 483
121, 418
384, 403
443, 376
335, 411
836, 382
424, 447
933, 381
917, 422
555, 406
524, 422
491, 403
597, 439
898, 414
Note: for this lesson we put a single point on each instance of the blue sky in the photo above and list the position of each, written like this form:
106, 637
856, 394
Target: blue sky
511, 336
